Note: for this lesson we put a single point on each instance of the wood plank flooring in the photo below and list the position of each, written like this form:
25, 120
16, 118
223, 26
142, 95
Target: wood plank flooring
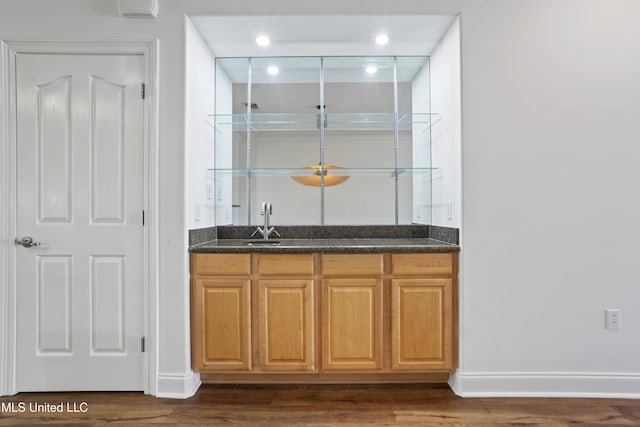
315, 405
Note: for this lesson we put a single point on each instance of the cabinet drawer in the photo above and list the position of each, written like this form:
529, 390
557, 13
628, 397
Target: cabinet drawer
220, 264
422, 264
352, 264
289, 264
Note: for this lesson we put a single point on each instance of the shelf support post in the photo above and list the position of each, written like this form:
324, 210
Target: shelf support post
322, 119
396, 140
249, 177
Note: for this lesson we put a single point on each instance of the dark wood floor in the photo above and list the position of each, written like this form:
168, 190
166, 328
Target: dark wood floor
317, 405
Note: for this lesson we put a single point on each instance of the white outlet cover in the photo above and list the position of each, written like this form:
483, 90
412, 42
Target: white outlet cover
612, 318
209, 189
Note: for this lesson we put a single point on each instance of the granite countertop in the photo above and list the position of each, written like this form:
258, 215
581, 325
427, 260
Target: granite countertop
344, 245
327, 239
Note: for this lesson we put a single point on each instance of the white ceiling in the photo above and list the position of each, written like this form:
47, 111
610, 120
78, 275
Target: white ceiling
234, 36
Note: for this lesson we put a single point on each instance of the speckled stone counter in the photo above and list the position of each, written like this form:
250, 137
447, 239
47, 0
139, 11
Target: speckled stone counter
327, 239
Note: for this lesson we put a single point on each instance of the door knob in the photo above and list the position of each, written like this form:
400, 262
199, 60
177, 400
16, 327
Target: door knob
27, 242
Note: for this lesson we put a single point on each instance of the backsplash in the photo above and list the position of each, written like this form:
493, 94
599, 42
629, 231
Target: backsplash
444, 234
201, 235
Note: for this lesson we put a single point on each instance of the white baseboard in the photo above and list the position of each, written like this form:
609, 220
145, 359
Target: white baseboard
178, 386
546, 384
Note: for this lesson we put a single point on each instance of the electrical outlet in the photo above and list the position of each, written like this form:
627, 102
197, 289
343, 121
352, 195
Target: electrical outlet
613, 318
209, 189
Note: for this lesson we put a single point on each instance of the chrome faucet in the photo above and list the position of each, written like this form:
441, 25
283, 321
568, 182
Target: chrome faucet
266, 230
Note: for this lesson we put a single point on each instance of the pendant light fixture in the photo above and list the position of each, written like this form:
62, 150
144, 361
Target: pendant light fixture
316, 179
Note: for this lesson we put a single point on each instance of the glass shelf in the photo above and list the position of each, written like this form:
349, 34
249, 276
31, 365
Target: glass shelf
259, 122
329, 171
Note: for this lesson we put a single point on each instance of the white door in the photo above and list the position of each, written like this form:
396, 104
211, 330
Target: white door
80, 195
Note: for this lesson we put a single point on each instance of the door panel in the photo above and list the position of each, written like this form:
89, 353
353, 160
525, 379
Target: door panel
80, 193
421, 326
53, 150
286, 311
107, 151
107, 304
53, 308
352, 323
222, 324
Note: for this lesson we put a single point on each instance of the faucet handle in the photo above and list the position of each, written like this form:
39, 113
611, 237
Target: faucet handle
274, 231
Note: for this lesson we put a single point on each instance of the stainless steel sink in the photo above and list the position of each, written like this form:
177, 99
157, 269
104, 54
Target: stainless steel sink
263, 243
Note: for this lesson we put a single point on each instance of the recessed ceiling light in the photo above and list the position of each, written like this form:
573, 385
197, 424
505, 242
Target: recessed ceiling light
371, 69
273, 70
382, 39
263, 40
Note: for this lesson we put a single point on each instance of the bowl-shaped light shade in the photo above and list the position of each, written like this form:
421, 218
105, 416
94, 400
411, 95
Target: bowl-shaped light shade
315, 180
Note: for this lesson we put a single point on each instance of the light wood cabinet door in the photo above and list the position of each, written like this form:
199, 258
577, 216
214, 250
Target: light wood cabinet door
222, 324
352, 324
421, 330
286, 312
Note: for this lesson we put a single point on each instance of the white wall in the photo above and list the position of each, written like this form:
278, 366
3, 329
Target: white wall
446, 133
550, 102
421, 145
199, 65
550, 207
199, 104
223, 149
5, 206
